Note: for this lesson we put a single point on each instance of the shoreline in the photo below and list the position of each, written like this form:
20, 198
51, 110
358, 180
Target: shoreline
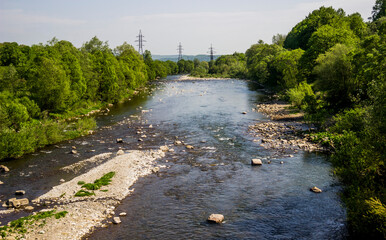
286, 132
86, 213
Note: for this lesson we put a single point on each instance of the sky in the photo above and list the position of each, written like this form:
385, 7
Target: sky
230, 25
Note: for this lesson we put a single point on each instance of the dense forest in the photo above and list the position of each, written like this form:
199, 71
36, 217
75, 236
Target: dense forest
44, 88
330, 65
333, 67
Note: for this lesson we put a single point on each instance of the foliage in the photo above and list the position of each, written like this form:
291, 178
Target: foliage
103, 181
298, 94
334, 74
20, 225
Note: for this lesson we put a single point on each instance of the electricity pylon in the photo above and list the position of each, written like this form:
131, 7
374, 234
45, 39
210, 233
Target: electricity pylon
140, 42
180, 52
211, 52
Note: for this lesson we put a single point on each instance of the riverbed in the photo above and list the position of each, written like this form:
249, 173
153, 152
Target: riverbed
271, 201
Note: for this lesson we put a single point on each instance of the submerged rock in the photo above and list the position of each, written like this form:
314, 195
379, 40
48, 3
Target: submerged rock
216, 218
315, 190
256, 162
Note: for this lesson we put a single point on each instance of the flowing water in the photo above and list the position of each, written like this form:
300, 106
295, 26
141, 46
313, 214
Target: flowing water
271, 201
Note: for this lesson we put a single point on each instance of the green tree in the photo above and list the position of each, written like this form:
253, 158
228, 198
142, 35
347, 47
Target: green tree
334, 74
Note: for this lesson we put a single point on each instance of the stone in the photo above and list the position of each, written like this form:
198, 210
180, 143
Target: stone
62, 180
281, 162
155, 170
256, 161
177, 142
189, 147
29, 208
140, 140
315, 190
122, 214
20, 192
119, 140
16, 203
73, 151
42, 232
216, 218
120, 152
116, 220
3, 169
164, 148
244, 112
73, 147
1, 182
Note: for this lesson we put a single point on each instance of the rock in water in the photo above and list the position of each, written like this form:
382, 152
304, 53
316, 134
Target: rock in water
155, 170
20, 192
3, 168
256, 162
216, 218
119, 140
189, 147
116, 220
122, 214
164, 148
316, 190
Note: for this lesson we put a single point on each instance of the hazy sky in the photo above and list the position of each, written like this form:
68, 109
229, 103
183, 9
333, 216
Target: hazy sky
230, 25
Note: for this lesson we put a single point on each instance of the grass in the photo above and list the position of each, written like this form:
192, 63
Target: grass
103, 181
20, 226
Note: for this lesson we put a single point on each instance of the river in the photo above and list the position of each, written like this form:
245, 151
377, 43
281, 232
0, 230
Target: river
271, 201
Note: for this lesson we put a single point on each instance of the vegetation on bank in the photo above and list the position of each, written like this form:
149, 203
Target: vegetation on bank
103, 181
43, 88
20, 226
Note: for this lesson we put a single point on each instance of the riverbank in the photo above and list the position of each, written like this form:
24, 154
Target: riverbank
286, 132
86, 213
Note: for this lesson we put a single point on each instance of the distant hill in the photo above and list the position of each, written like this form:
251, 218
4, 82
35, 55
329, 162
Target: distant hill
174, 58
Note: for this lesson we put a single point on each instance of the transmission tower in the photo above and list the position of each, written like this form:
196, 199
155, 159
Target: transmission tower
211, 52
140, 42
180, 52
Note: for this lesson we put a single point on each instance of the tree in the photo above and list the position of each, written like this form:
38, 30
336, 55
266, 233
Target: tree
334, 73
299, 36
379, 10
259, 62
287, 68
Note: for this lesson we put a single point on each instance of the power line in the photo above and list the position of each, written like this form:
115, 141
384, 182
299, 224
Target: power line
140, 42
180, 52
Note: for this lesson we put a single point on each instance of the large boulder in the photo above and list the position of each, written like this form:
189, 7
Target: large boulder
216, 218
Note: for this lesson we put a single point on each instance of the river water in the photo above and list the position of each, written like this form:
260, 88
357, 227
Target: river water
272, 201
